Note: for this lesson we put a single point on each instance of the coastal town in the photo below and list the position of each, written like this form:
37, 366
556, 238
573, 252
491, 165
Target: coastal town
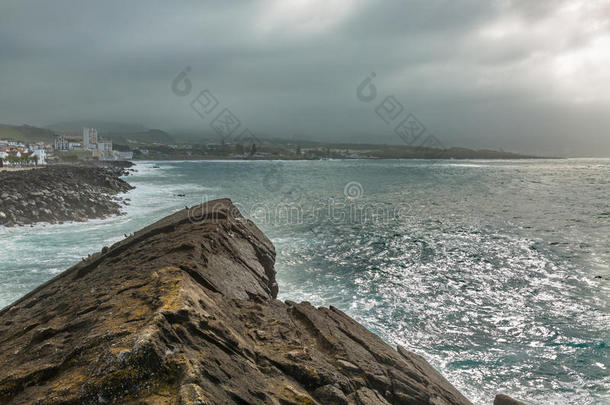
88, 146
27, 146
14, 153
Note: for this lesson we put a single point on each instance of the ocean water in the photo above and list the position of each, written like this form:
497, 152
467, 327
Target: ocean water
497, 272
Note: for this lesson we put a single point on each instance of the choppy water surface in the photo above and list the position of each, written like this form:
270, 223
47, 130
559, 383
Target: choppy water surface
497, 272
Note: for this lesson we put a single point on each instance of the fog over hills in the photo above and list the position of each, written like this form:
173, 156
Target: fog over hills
101, 126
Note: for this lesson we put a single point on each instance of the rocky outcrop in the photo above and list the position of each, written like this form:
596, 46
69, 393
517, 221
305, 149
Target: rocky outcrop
60, 193
502, 399
185, 312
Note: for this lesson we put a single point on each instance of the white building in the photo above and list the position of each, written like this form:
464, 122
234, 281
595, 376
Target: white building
124, 155
41, 155
104, 146
86, 137
89, 138
61, 142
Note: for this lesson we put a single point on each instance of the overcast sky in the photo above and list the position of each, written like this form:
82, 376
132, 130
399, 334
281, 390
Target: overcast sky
522, 75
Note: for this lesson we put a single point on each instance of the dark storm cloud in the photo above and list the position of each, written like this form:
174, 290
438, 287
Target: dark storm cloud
519, 75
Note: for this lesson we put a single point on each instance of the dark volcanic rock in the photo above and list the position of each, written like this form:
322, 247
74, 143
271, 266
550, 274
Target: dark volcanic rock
60, 193
185, 312
502, 399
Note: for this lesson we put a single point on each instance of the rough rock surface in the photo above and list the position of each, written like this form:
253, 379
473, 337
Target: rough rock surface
60, 193
185, 312
502, 399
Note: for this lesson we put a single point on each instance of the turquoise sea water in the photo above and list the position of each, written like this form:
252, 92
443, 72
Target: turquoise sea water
497, 272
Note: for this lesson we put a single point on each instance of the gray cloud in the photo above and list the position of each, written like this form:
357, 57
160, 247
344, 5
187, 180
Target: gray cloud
519, 75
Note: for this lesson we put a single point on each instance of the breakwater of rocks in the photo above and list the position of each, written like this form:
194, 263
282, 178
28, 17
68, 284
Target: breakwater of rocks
59, 193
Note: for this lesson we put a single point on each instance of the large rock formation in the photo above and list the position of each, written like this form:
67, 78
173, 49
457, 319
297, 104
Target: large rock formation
185, 312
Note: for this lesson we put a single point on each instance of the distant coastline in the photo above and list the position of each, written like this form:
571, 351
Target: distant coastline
65, 144
287, 158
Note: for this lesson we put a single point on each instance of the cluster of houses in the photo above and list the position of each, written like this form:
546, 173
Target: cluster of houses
89, 146
19, 154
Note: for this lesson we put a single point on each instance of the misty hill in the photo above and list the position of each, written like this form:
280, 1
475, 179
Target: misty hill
145, 137
26, 133
103, 127
118, 132
396, 151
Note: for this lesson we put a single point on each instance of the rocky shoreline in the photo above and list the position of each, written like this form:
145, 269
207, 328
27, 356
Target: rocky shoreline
185, 311
59, 193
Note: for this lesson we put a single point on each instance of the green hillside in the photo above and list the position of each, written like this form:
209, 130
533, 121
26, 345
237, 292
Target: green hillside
26, 133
